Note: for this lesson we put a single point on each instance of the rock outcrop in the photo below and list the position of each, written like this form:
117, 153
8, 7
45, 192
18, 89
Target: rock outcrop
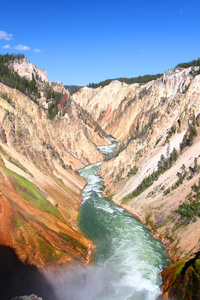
181, 280
154, 173
118, 107
140, 116
27, 128
39, 184
27, 69
144, 149
150, 120
37, 215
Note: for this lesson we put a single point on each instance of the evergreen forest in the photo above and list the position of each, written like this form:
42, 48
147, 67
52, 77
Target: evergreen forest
13, 80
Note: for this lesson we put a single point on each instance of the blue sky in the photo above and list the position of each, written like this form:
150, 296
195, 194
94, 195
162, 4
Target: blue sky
80, 42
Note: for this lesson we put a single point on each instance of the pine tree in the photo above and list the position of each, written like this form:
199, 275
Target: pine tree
193, 119
196, 167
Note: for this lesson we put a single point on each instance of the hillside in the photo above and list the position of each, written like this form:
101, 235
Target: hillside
72, 88
46, 135
43, 141
139, 79
154, 173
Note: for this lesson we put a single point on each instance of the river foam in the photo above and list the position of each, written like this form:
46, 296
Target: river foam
128, 260
126, 250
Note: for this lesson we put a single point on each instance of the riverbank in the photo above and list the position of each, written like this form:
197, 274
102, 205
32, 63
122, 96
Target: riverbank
180, 279
126, 251
157, 207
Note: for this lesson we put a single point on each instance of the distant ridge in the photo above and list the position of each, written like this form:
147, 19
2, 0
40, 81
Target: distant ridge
139, 79
144, 78
193, 63
73, 88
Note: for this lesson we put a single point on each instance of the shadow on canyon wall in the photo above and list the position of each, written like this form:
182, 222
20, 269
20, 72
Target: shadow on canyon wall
17, 278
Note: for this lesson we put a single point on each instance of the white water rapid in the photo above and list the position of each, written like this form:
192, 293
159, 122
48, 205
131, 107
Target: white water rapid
128, 260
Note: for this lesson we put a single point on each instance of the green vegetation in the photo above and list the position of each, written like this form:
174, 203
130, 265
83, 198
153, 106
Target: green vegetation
110, 196
73, 88
171, 132
167, 191
7, 58
190, 209
179, 224
128, 103
53, 106
158, 140
149, 221
136, 134
3, 151
145, 184
7, 98
170, 219
193, 118
15, 162
49, 251
145, 78
133, 171
19, 221
19, 165
177, 266
72, 241
88, 120
195, 73
183, 278
28, 191
13, 80
188, 137
186, 88
139, 79
193, 63
144, 92
164, 165
139, 134
183, 174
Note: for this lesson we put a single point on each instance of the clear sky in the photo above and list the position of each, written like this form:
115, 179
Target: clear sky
80, 42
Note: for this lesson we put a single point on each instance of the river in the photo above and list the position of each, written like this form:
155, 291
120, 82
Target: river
128, 260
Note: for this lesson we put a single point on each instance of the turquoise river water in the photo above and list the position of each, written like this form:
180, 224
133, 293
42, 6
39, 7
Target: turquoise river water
128, 260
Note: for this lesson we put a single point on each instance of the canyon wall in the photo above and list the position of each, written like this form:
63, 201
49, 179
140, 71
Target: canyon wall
154, 172
26, 69
150, 121
39, 184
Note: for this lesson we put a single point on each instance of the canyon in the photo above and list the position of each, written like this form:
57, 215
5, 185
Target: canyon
150, 120
40, 155
39, 184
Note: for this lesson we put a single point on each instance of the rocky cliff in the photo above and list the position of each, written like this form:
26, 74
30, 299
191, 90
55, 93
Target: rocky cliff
118, 107
26, 69
39, 184
161, 125
141, 115
26, 126
155, 170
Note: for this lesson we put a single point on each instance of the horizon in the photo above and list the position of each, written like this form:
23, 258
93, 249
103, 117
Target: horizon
81, 43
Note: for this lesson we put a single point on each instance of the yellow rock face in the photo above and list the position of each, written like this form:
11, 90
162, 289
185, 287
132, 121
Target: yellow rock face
39, 184
143, 118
